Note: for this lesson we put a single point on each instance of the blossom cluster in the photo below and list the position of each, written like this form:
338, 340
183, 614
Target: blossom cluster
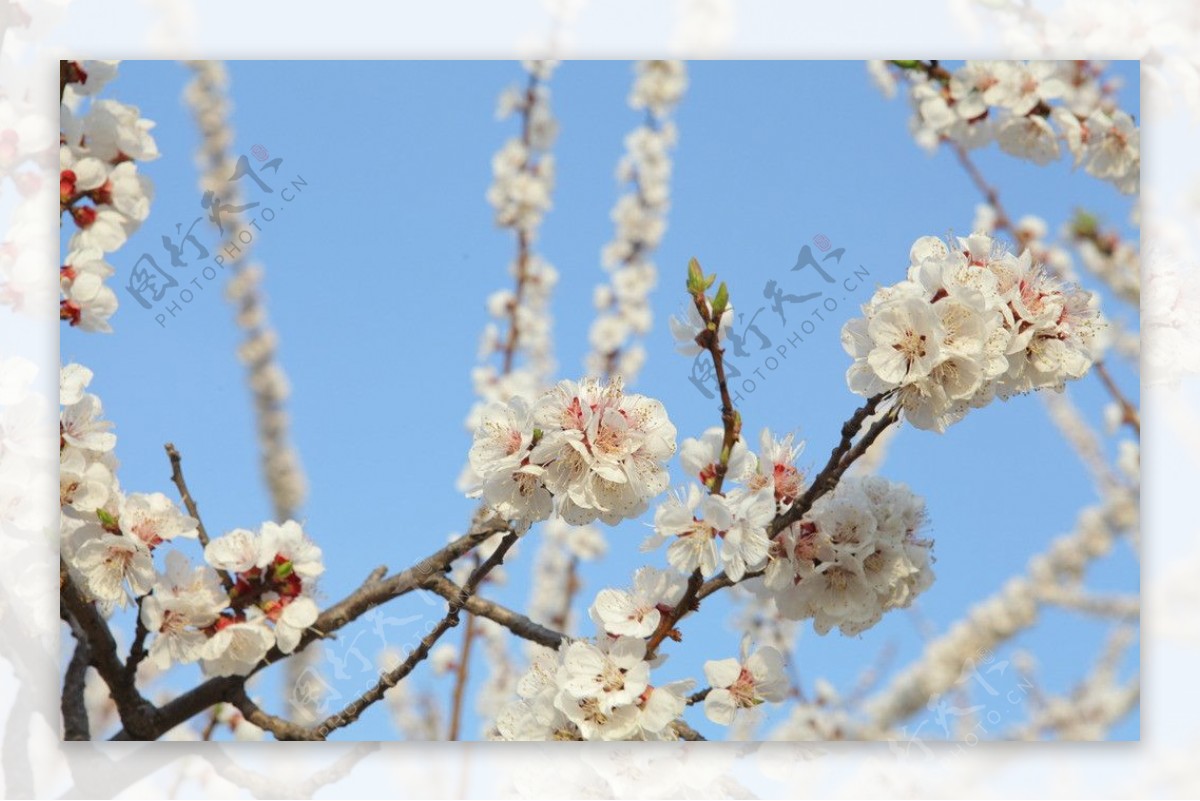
526, 312
1028, 108
971, 322
602, 689
100, 187
107, 535
707, 531
593, 691
523, 170
590, 449
207, 96
110, 538
273, 573
853, 556
622, 303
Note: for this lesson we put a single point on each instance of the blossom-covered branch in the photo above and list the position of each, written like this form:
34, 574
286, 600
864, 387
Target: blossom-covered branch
623, 311
1027, 107
101, 189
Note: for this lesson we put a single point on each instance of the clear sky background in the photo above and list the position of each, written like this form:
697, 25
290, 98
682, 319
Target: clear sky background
378, 269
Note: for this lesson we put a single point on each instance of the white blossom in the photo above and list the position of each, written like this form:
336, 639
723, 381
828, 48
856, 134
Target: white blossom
592, 691
744, 683
638, 611
687, 327
700, 457
109, 563
184, 602
775, 468
153, 518
238, 646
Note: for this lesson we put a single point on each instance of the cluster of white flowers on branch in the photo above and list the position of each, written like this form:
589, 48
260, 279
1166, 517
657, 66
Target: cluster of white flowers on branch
971, 322
853, 556
107, 536
622, 303
744, 683
592, 449
217, 613
206, 96
273, 575
710, 525
1026, 107
100, 187
593, 691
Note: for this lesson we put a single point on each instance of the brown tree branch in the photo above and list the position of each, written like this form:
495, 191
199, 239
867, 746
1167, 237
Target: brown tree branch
844, 454
1003, 221
686, 732
709, 339
74, 710
1129, 413
515, 622
285, 730
374, 591
137, 714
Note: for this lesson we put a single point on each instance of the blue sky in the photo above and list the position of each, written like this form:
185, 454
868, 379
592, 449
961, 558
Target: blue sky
378, 268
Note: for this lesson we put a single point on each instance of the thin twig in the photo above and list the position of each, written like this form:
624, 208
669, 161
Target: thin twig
844, 454
211, 727
731, 421
523, 244
461, 674
190, 503
570, 586
1002, 221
